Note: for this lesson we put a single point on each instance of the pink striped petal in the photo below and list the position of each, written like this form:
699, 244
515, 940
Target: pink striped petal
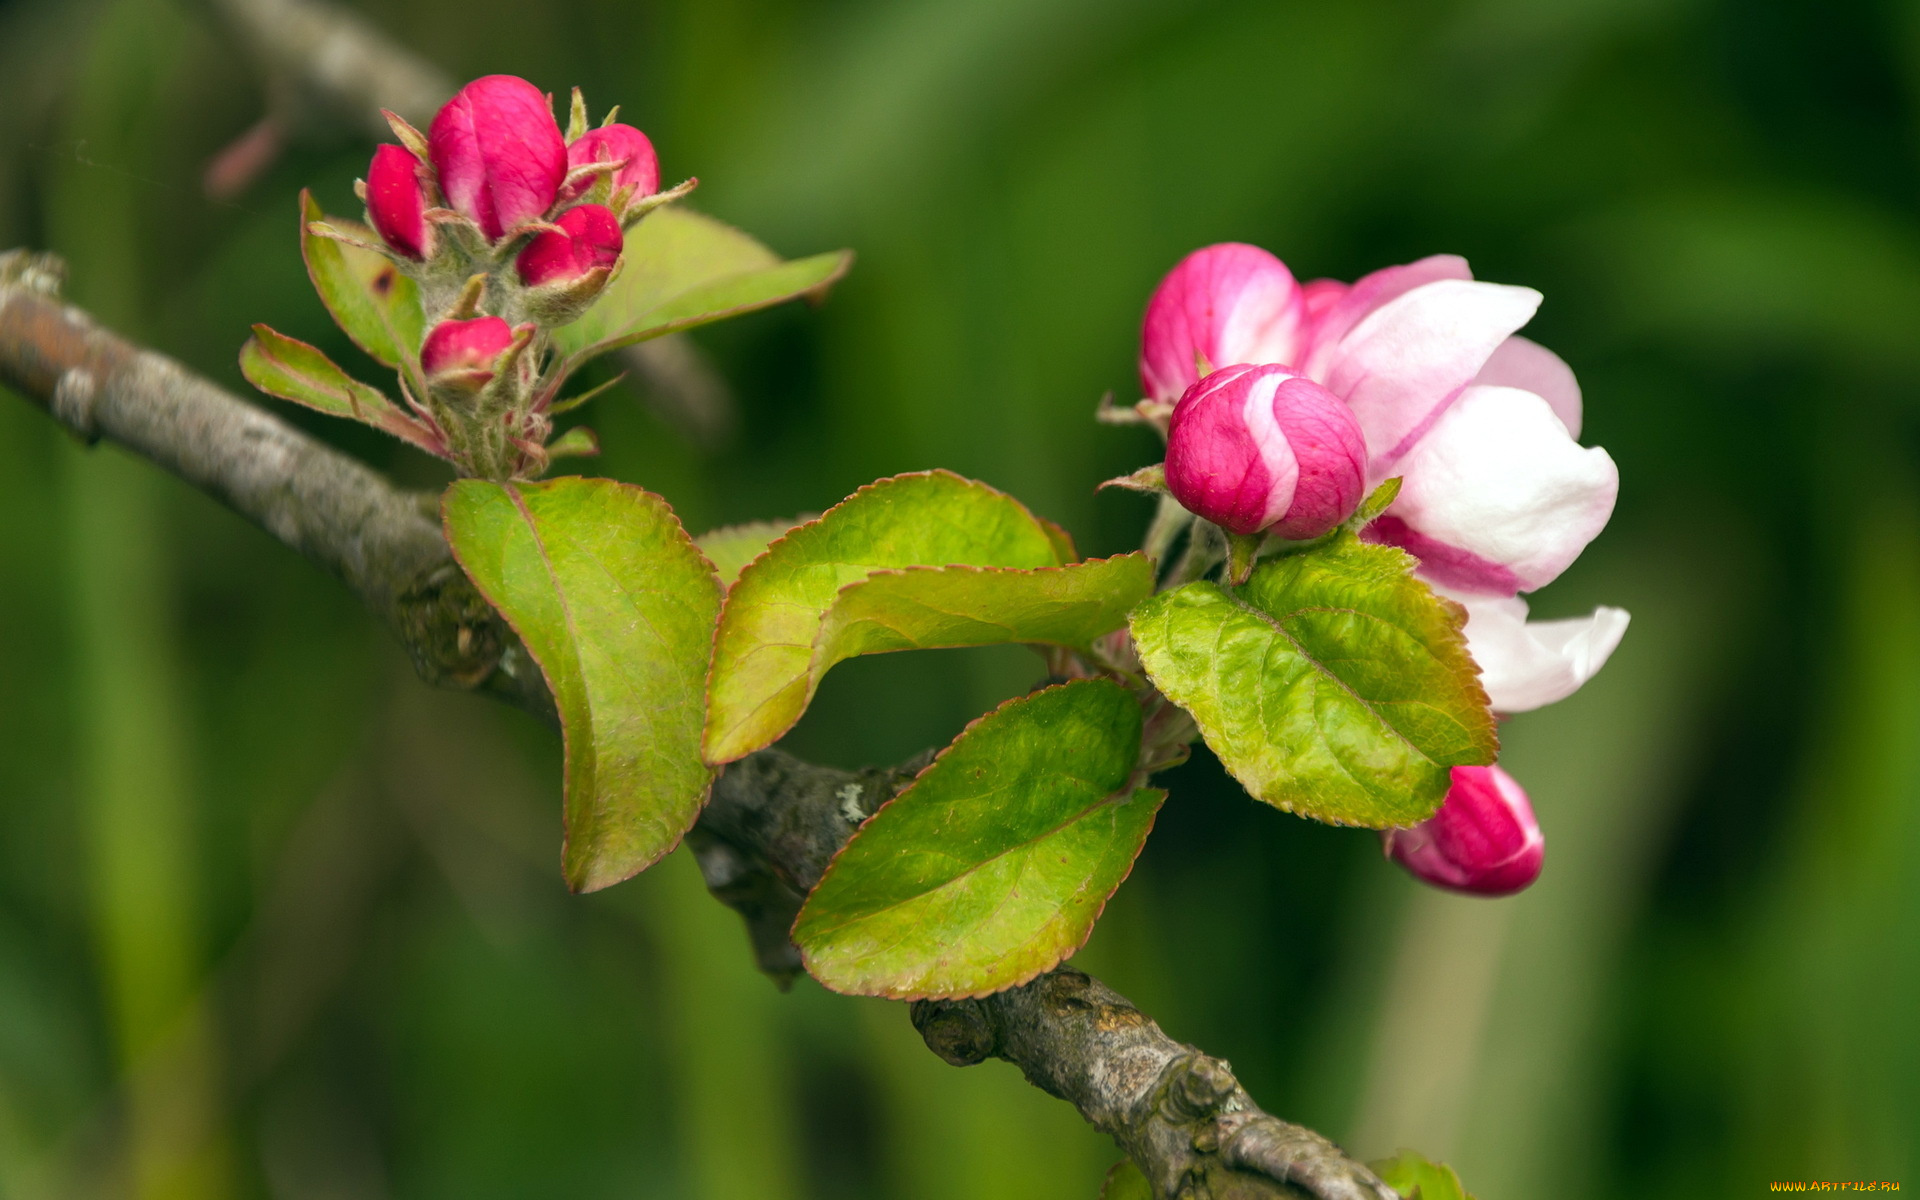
1498, 481
1335, 308
1407, 360
1525, 364
1525, 664
1221, 306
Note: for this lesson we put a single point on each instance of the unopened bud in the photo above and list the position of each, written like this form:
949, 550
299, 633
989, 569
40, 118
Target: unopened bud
1484, 840
1252, 448
464, 351
639, 168
396, 203
591, 238
498, 153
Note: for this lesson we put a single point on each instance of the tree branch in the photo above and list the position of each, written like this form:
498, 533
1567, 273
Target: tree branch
774, 822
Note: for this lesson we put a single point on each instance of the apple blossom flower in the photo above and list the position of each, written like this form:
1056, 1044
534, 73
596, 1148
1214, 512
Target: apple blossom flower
1479, 424
639, 166
1253, 448
464, 347
588, 237
1484, 840
396, 203
499, 155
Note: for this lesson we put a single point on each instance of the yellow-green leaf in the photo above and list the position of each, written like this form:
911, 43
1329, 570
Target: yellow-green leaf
368, 297
684, 269
1332, 684
617, 606
292, 370
1415, 1178
731, 547
899, 566
994, 864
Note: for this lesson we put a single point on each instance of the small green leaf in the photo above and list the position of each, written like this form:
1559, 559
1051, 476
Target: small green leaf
840, 586
684, 269
731, 547
1378, 501
368, 297
617, 606
1334, 684
993, 866
292, 370
578, 442
1125, 1182
1417, 1179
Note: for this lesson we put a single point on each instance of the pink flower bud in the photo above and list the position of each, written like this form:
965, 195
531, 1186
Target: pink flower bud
1221, 306
592, 239
395, 200
1484, 840
639, 169
499, 155
1258, 447
464, 345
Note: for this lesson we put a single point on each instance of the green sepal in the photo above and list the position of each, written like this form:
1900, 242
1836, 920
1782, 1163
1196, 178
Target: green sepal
292, 370
1378, 501
578, 442
920, 561
684, 269
617, 607
995, 863
1415, 1178
1334, 684
365, 292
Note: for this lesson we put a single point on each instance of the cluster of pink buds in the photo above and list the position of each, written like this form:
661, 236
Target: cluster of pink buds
510, 229
1284, 403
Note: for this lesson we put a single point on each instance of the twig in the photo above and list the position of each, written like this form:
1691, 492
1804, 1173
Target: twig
774, 821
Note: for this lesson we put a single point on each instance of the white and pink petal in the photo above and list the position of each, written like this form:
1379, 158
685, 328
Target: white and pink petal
1221, 306
1525, 364
1496, 497
1525, 664
1402, 366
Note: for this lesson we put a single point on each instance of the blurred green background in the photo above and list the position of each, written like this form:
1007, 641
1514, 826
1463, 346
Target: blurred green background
277, 921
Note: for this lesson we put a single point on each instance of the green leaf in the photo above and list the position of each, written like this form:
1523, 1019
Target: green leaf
819, 596
1125, 1182
1417, 1179
1333, 684
731, 547
684, 269
617, 606
994, 864
292, 370
368, 297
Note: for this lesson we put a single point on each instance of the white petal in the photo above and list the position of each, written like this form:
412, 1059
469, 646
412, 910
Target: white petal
1498, 478
1400, 365
1526, 665
1525, 364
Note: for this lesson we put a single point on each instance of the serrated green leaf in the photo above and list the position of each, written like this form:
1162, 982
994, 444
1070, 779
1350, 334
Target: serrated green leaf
1333, 684
1415, 1178
731, 547
367, 296
617, 606
994, 864
1125, 1182
684, 269
842, 585
292, 370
